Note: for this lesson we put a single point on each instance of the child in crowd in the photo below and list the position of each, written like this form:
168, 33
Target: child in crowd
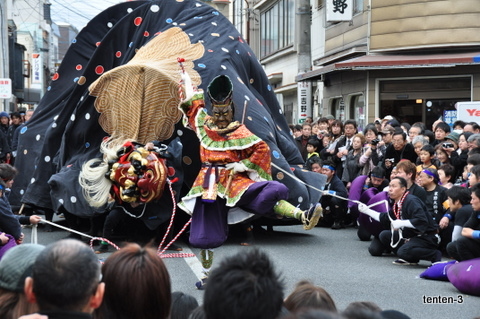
446, 173
353, 166
426, 158
441, 155
312, 147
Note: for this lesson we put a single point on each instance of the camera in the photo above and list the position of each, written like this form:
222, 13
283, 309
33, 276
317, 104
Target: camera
448, 145
375, 141
391, 160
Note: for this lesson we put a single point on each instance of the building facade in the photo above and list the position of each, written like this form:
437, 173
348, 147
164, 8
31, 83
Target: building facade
413, 59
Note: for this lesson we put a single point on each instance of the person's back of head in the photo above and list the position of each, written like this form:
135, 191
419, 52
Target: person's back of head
245, 285
65, 276
144, 274
182, 305
15, 266
308, 296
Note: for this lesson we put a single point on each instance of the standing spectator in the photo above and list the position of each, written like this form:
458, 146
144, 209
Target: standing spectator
16, 135
441, 131
10, 223
143, 274
397, 151
303, 140
472, 127
417, 240
16, 121
65, 281
245, 285
467, 246
441, 155
4, 122
353, 166
418, 128
344, 145
374, 151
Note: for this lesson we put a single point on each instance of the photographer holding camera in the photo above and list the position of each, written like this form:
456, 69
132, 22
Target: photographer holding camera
372, 151
458, 157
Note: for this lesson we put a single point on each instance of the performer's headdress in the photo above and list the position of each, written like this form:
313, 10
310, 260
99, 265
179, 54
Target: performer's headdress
220, 91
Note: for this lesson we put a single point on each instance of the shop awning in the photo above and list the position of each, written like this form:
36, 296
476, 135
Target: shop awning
372, 62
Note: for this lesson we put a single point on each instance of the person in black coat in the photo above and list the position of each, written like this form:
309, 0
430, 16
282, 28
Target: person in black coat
335, 209
399, 149
414, 234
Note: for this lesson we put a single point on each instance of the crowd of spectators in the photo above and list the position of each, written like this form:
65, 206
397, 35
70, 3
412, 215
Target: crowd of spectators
428, 162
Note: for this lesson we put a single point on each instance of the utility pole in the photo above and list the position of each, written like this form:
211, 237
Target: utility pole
304, 88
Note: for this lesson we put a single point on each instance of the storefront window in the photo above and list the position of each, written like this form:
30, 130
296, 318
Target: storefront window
357, 110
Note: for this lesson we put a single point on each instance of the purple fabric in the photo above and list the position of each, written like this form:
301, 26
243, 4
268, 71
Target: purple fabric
437, 271
356, 190
465, 276
11, 243
369, 223
209, 228
262, 196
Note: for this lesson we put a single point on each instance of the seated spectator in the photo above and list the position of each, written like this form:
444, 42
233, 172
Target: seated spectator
446, 174
467, 246
334, 209
414, 236
408, 171
308, 296
182, 305
317, 165
437, 203
377, 179
459, 209
15, 266
143, 273
245, 285
65, 280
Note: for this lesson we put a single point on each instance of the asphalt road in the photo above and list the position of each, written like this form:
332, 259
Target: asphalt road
333, 259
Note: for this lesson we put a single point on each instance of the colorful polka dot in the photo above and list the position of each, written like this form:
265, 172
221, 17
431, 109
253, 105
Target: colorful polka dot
87, 116
138, 21
99, 70
55, 76
280, 176
47, 158
187, 160
72, 118
155, 8
276, 154
98, 43
78, 67
87, 145
146, 34
118, 54
73, 199
82, 80
109, 25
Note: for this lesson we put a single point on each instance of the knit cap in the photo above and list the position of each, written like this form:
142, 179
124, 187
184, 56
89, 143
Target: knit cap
16, 265
4, 114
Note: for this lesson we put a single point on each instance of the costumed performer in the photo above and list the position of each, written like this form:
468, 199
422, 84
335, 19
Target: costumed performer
413, 233
235, 179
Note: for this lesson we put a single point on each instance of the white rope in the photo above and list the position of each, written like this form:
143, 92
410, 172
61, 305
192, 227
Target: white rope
65, 228
34, 239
